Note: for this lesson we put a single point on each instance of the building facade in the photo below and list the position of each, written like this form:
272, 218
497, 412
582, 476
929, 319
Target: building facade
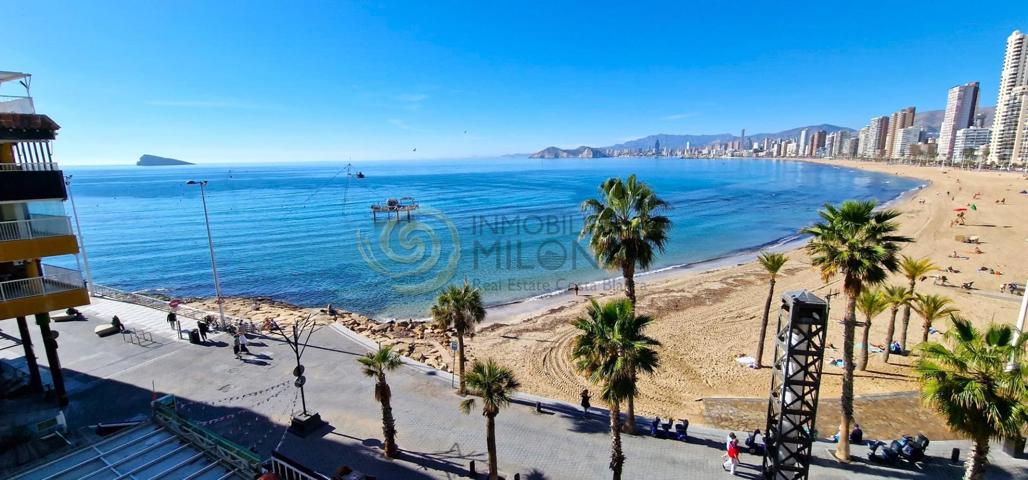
1012, 82
897, 121
973, 138
33, 227
961, 102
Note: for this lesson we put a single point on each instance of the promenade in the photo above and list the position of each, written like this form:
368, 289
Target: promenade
250, 401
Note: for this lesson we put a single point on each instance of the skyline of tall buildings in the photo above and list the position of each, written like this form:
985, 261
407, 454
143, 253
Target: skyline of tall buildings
1011, 120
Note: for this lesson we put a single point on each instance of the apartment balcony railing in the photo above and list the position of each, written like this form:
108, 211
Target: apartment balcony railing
40, 227
16, 104
54, 280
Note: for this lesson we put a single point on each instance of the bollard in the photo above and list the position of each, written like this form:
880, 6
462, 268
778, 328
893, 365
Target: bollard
954, 456
538, 407
471, 469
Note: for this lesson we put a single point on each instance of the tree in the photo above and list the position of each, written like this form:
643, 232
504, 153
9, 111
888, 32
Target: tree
495, 385
772, 263
375, 365
459, 308
608, 350
625, 227
895, 296
967, 154
931, 308
859, 243
871, 303
970, 385
912, 269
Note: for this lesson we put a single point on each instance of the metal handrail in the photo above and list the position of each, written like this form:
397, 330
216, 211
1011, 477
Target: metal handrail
36, 286
158, 304
41, 227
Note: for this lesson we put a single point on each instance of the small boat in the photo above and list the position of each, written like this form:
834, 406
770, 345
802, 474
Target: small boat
360, 174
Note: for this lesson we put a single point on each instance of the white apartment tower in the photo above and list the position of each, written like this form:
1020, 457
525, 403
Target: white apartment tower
960, 108
804, 138
970, 138
1012, 92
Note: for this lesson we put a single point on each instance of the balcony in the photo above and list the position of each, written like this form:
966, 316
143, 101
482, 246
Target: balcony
58, 289
32, 176
43, 236
16, 103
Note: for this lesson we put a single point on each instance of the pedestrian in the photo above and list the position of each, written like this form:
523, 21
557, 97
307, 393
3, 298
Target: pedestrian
235, 345
202, 324
172, 318
585, 402
242, 344
576, 289
731, 456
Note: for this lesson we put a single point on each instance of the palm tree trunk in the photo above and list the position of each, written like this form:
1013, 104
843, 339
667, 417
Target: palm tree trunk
628, 271
763, 324
926, 325
852, 289
460, 363
617, 457
906, 319
978, 459
630, 420
490, 442
889, 332
388, 423
864, 351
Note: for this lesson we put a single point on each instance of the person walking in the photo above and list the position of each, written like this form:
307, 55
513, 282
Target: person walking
202, 325
585, 402
235, 345
731, 456
172, 318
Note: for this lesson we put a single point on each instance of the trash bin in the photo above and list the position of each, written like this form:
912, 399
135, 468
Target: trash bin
194, 336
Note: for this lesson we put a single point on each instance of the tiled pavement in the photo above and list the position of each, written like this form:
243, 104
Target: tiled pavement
250, 401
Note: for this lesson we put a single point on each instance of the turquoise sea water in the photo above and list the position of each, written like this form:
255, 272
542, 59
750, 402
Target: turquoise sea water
304, 233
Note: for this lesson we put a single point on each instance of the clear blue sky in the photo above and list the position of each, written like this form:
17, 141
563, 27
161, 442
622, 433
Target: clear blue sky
232, 81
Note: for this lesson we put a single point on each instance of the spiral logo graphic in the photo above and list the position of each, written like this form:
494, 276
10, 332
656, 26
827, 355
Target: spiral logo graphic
409, 252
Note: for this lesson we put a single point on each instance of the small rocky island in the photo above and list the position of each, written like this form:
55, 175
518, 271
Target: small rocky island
580, 152
155, 161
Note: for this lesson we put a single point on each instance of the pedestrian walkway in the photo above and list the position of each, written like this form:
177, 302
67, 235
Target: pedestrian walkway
137, 317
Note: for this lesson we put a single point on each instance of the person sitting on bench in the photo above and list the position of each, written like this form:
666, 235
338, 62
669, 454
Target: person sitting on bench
116, 322
752, 445
857, 435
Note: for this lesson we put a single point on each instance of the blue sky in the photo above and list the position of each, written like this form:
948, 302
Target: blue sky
255, 81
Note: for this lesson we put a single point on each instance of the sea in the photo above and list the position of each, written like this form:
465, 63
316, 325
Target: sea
304, 233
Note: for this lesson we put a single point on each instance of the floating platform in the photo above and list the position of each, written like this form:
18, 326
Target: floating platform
392, 205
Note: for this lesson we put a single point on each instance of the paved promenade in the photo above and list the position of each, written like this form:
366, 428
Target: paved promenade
251, 400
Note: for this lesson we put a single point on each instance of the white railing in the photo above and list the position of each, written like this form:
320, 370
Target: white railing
29, 167
158, 304
45, 285
16, 104
40, 227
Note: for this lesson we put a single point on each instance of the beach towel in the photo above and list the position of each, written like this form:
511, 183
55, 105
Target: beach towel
747, 361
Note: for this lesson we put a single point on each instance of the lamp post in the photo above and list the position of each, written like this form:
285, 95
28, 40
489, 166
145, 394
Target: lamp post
210, 245
82, 239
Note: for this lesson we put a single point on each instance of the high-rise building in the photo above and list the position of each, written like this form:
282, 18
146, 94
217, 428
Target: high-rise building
864, 141
877, 135
1012, 82
817, 142
960, 108
33, 227
904, 139
804, 141
897, 121
973, 138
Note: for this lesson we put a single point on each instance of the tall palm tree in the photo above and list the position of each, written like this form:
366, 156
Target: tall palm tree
871, 303
459, 308
931, 308
625, 227
970, 385
912, 269
495, 385
375, 365
859, 243
772, 263
608, 350
896, 297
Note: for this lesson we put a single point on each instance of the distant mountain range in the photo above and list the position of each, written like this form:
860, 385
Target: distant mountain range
931, 120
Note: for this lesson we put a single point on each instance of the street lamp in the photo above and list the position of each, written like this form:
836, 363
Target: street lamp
82, 239
210, 245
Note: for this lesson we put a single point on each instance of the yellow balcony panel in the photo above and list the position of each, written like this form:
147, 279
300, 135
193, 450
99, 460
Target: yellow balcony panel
26, 306
25, 249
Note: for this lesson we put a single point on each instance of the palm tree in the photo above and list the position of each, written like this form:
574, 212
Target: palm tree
860, 244
772, 263
871, 303
931, 308
970, 385
625, 227
459, 308
895, 296
495, 385
375, 365
912, 269
608, 350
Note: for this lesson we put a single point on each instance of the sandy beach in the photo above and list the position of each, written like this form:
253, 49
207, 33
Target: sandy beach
705, 320
709, 313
